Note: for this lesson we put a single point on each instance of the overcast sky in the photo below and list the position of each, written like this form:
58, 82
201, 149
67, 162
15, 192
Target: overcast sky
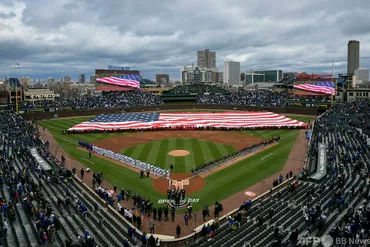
68, 37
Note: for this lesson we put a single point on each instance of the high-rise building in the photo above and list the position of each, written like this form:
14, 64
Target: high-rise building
196, 75
271, 75
81, 78
92, 79
50, 80
221, 77
242, 77
231, 72
362, 75
25, 82
66, 79
162, 78
206, 59
216, 77
353, 59
254, 78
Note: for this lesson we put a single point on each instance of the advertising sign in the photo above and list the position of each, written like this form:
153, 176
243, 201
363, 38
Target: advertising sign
111, 67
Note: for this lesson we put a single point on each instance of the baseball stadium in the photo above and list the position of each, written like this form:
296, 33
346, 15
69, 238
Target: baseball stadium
194, 165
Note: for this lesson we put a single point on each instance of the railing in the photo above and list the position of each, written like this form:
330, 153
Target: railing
307, 158
168, 242
98, 198
198, 231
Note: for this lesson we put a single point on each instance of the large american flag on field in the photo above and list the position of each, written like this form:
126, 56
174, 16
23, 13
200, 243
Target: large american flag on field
184, 119
124, 80
325, 87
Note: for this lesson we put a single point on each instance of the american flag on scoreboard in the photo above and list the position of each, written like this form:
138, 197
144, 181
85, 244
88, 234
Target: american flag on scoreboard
201, 119
124, 80
325, 87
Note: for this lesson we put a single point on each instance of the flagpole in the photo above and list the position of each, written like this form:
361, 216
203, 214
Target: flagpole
332, 81
15, 86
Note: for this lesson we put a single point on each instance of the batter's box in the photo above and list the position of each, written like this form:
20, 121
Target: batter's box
185, 182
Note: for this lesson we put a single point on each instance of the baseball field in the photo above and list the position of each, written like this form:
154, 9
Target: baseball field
185, 150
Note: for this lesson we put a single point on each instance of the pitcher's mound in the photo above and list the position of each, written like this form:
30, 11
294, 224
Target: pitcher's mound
179, 153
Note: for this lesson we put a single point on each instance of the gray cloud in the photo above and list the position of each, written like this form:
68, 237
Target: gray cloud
4, 15
65, 37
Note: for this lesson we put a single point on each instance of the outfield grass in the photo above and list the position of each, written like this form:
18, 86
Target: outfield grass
200, 152
220, 185
247, 172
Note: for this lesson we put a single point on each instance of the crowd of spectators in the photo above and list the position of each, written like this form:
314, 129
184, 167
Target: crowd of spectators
16, 137
257, 98
142, 207
36, 199
108, 100
197, 89
336, 205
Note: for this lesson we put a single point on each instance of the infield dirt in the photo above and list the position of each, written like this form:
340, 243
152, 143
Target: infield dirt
196, 183
237, 140
294, 163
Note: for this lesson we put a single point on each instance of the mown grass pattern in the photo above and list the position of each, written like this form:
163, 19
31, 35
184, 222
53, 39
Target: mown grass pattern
156, 153
220, 185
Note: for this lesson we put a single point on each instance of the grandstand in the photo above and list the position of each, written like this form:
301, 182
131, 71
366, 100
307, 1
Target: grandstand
47, 204
315, 208
191, 92
107, 100
257, 98
287, 82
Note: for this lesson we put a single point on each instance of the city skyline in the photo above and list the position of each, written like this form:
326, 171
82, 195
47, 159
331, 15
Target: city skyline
304, 36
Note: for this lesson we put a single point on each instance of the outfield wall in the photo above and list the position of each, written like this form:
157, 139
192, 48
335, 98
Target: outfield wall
41, 114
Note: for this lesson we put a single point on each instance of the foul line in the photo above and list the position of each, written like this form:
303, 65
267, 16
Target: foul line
88, 160
267, 156
56, 137
284, 136
246, 156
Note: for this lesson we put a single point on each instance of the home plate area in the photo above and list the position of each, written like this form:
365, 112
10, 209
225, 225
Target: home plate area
178, 181
178, 186
175, 184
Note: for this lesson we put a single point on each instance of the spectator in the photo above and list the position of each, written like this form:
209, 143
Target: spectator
109, 100
151, 226
186, 218
178, 231
82, 173
265, 98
